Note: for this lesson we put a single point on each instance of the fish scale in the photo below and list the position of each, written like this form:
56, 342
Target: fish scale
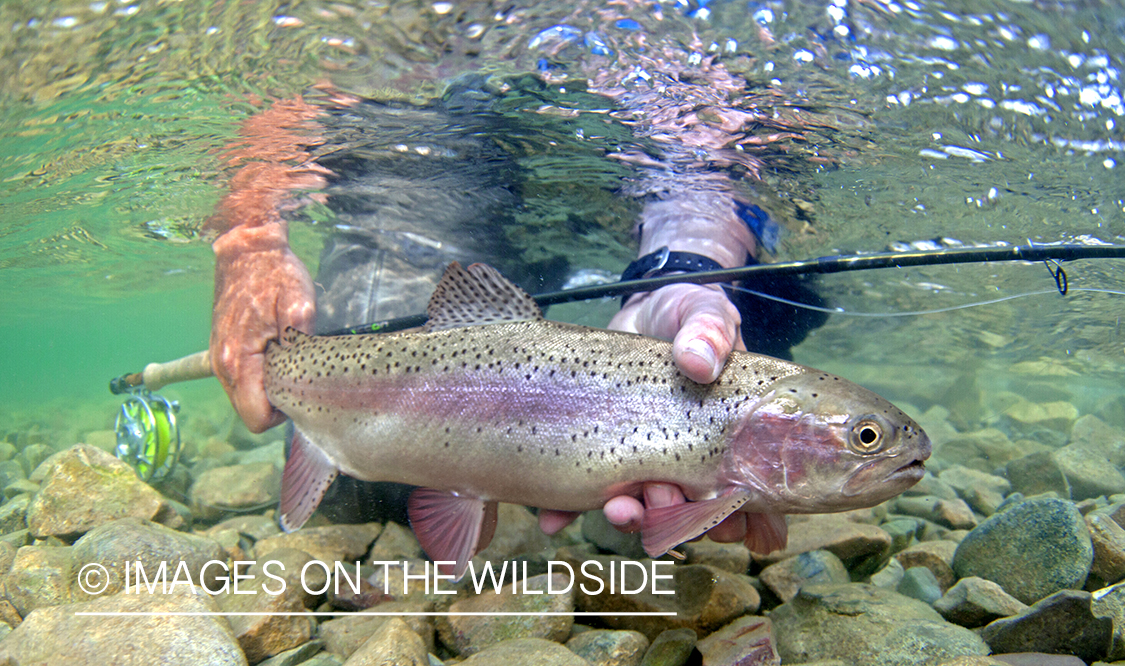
494, 403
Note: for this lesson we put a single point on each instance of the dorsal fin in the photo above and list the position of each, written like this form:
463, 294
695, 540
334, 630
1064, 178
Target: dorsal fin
477, 295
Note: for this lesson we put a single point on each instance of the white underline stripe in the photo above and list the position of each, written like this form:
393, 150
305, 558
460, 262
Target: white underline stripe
352, 613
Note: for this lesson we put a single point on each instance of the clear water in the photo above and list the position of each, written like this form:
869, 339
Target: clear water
115, 116
982, 121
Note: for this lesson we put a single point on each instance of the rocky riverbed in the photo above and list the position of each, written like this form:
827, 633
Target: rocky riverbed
1011, 550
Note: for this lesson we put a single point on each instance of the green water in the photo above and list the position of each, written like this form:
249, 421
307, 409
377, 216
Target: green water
984, 122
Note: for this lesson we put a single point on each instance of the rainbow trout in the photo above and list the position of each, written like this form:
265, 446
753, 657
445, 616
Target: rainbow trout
492, 403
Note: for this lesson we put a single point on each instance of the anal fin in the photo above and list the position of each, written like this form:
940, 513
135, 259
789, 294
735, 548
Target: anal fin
667, 527
766, 532
451, 528
308, 473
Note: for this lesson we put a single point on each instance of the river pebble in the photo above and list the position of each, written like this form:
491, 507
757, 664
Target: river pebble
606, 647
1062, 623
786, 577
85, 487
704, 598
1108, 539
864, 624
392, 643
919, 583
748, 641
469, 634
219, 491
525, 652
57, 635
671, 647
1033, 549
974, 602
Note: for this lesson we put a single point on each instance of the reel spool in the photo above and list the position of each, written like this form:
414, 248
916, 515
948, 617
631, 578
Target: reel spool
148, 437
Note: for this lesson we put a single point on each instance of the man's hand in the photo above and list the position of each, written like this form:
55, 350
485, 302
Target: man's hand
261, 288
704, 328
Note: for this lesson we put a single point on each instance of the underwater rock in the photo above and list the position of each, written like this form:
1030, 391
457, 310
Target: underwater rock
331, 543
142, 543
889, 576
468, 635
931, 485
748, 641
344, 635
600, 532
1088, 471
861, 547
525, 652
786, 577
983, 491
1062, 623
1110, 602
671, 648
606, 647
937, 556
10, 472
395, 543
902, 531
21, 487
704, 598
87, 487
392, 643
732, 557
1108, 539
1038, 473
106, 440
1033, 549
255, 527
517, 533
864, 624
921, 584
13, 514
57, 635
1057, 415
263, 636
40, 576
7, 557
974, 602
954, 513
1092, 431
273, 453
236, 488
984, 450
34, 454
297, 656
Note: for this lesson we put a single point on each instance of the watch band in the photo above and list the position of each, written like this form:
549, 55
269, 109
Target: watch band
664, 261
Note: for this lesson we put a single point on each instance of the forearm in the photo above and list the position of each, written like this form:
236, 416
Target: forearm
703, 223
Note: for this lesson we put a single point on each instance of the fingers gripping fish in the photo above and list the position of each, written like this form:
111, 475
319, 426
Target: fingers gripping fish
492, 403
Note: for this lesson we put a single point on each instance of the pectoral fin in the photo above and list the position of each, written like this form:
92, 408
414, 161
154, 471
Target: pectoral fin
451, 528
308, 473
766, 532
670, 526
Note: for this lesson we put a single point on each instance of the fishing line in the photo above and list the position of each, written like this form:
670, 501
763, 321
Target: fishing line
820, 265
914, 313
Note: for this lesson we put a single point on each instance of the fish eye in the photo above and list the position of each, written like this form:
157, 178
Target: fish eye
866, 436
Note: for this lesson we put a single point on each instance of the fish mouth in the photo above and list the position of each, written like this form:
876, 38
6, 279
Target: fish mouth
912, 471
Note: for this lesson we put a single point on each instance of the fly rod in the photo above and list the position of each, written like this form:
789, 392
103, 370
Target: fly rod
198, 365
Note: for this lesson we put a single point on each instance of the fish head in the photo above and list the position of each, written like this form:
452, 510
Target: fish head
816, 443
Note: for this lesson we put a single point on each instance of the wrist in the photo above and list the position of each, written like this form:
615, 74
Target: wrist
705, 224
269, 237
